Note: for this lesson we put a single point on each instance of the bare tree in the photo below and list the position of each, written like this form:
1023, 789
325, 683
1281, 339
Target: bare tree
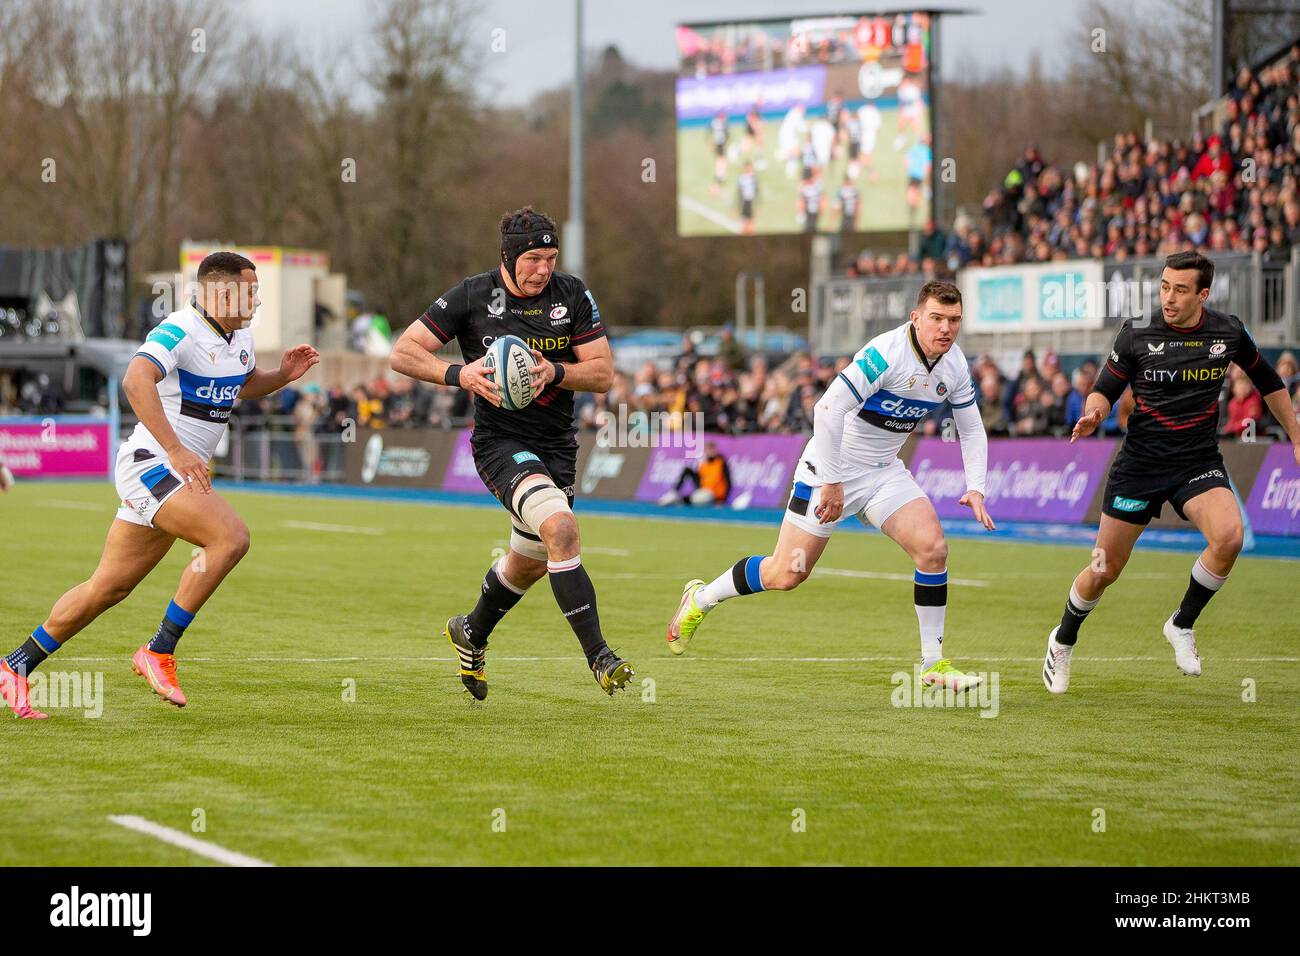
183, 51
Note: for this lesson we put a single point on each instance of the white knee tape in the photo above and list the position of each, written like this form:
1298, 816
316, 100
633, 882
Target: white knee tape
526, 546
537, 501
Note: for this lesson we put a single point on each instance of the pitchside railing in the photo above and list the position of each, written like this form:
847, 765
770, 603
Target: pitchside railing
1265, 293
273, 448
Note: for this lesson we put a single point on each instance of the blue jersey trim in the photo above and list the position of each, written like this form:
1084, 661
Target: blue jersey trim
151, 359
851, 388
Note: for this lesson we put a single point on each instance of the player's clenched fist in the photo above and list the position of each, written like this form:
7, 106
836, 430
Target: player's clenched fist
476, 378
832, 503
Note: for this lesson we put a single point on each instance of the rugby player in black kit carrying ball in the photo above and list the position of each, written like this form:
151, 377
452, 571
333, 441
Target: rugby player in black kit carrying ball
526, 458
1176, 362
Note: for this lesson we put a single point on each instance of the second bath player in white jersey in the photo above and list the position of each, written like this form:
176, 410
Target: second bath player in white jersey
851, 467
182, 385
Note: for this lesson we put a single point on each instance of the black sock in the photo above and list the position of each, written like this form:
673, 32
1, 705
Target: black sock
171, 630
1068, 632
1203, 585
494, 602
576, 597
26, 657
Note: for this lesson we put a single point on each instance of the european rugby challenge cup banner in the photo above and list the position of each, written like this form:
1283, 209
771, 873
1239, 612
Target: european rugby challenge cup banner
1029, 479
1274, 502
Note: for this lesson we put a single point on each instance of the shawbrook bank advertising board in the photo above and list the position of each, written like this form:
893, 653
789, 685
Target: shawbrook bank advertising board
56, 447
1029, 479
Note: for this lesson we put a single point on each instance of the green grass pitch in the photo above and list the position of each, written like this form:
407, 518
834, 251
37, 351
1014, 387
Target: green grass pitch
701, 213
784, 704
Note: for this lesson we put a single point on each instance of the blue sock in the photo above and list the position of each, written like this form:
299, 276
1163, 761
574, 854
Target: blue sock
35, 649
173, 626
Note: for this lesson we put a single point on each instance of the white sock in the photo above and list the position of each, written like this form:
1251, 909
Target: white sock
1207, 578
741, 578
931, 621
930, 615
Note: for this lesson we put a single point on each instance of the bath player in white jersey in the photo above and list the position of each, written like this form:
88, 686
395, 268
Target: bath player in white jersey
851, 467
182, 385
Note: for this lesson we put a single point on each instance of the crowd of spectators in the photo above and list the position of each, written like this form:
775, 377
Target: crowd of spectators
736, 394
1236, 189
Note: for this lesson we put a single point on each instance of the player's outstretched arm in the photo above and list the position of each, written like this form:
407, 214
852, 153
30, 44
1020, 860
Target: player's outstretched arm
593, 372
293, 366
141, 386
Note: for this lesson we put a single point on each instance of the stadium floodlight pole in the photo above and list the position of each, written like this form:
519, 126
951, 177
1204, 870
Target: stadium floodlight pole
936, 196
573, 244
1218, 85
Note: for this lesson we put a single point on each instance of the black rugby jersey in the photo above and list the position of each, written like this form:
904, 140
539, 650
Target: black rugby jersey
562, 315
1176, 376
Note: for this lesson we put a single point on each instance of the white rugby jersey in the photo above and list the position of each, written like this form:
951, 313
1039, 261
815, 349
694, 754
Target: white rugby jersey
878, 400
204, 367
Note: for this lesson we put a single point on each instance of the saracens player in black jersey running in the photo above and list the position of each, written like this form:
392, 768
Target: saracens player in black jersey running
527, 458
1176, 362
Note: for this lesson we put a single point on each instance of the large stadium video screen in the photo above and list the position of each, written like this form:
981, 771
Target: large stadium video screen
816, 124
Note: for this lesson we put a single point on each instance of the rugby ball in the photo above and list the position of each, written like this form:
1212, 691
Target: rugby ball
510, 360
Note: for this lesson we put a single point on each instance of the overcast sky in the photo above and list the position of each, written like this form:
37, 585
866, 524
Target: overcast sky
539, 33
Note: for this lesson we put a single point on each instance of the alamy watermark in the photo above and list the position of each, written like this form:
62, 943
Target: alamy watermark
67, 690
911, 691
635, 428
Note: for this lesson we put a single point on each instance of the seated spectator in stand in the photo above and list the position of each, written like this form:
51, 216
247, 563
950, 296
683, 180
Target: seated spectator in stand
995, 419
1288, 369
400, 409
1059, 409
1015, 387
369, 411
1084, 377
934, 242
711, 480
1031, 410
1245, 409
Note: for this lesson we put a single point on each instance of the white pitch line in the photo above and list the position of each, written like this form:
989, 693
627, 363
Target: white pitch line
883, 658
186, 842
340, 528
697, 207
892, 576
70, 505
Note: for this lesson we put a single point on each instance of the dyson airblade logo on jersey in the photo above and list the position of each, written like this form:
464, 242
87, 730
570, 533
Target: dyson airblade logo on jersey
207, 397
899, 408
218, 394
895, 412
